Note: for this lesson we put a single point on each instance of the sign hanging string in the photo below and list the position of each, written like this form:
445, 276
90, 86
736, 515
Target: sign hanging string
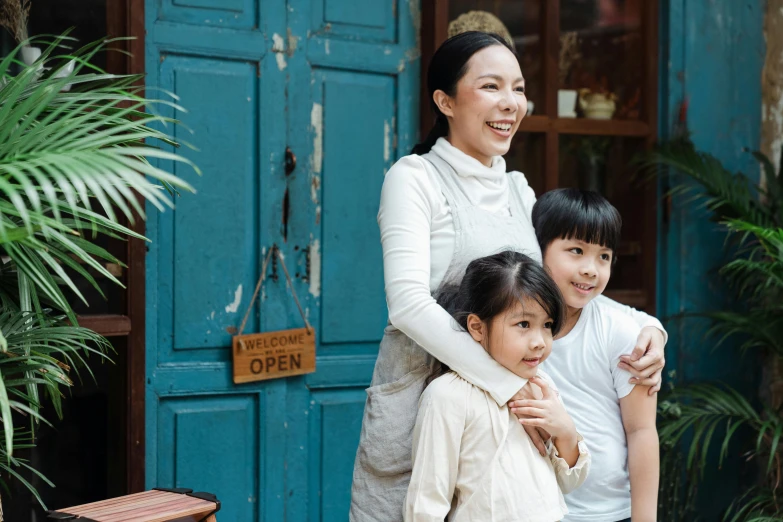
274, 251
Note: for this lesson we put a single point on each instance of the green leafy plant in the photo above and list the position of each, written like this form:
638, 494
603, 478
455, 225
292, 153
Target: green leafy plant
75, 150
706, 417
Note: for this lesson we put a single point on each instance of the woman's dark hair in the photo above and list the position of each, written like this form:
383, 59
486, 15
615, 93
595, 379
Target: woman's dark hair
570, 213
449, 64
492, 285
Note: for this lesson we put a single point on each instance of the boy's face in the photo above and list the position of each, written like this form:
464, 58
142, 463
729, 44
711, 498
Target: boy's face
520, 338
581, 270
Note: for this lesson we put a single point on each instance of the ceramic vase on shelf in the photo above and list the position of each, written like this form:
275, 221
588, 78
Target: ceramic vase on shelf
597, 105
566, 103
31, 54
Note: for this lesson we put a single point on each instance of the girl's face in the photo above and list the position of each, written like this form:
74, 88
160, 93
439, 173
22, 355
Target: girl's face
520, 338
488, 105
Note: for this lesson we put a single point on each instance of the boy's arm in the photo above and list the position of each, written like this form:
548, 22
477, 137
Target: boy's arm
638, 410
436, 445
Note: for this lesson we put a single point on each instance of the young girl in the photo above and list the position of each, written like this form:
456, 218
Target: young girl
472, 460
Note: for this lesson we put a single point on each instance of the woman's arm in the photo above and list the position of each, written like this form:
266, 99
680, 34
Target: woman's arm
638, 412
436, 445
404, 219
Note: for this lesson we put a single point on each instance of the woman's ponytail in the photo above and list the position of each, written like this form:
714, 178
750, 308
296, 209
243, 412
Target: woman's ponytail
439, 130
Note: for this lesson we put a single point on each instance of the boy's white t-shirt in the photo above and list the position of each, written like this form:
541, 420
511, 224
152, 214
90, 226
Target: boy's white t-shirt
583, 364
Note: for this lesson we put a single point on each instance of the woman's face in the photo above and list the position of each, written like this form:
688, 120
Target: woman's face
488, 105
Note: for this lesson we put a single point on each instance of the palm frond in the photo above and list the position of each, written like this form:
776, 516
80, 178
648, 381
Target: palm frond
756, 505
77, 148
727, 195
71, 160
32, 360
702, 410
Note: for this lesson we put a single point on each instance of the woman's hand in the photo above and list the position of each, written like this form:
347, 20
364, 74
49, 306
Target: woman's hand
646, 361
538, 436
548, 413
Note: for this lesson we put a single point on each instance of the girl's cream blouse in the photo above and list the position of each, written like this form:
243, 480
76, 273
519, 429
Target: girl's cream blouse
473, 461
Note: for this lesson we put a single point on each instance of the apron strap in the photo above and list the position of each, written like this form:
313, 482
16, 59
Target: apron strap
447, 177
516, 202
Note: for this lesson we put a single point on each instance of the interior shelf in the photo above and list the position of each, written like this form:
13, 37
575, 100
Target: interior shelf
584, 126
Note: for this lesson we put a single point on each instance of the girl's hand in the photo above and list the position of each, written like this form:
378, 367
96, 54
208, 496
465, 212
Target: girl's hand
646, 361
547, 413
538, 436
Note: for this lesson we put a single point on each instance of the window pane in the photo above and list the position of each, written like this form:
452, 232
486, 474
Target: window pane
601, 50
86, 17
522, 20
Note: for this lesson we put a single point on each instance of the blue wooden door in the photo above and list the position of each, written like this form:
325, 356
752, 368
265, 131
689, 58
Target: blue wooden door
336, 81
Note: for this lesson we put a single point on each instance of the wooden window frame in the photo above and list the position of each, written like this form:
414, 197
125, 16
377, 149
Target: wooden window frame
435, 20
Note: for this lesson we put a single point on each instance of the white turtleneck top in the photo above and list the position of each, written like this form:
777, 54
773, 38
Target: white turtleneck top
417, 235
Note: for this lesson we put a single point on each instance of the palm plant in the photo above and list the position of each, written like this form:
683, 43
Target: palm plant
75, 150
707, 417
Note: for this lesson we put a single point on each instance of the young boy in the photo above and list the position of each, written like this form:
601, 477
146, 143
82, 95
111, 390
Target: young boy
579, 232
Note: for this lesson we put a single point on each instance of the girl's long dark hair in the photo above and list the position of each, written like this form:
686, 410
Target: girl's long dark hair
493, 284
449, 64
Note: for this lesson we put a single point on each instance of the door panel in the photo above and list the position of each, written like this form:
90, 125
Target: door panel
335, 423
355, 19
239, 14
225, 460
216, 260
359, 123
336, 81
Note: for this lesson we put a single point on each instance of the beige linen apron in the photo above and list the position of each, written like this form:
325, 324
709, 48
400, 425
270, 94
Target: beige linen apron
383, 461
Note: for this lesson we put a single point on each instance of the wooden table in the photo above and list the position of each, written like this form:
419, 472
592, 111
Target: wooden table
157, 505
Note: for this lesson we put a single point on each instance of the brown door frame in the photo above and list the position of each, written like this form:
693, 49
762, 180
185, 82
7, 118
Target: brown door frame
126, 18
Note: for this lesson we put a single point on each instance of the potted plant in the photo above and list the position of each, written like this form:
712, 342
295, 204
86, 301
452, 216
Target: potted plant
704, 418
72, 163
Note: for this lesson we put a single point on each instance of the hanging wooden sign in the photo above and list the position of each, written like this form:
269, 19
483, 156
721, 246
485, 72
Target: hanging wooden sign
270, 355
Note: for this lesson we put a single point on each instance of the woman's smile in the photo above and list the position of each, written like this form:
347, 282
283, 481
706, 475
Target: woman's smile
502, 128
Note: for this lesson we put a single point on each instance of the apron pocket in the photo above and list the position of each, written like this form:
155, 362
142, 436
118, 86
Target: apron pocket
389, 417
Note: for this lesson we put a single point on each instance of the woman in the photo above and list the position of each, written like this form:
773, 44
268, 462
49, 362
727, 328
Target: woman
448, 203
